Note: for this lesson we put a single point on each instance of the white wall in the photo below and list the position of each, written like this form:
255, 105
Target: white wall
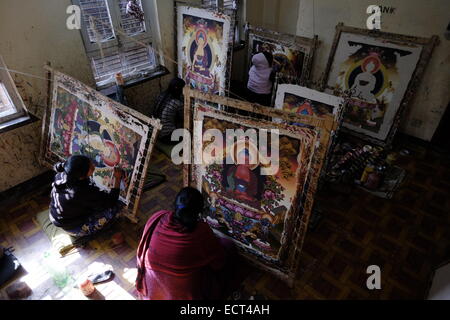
276, 15
411, 17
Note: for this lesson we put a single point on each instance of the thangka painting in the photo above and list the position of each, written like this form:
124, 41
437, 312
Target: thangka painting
376, 72
307, 102
293, 55
84, 122
258, 206
203, 41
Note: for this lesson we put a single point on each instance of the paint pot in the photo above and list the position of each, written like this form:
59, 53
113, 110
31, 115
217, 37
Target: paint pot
391, 159
373, 180
87, 287
367, 171
117, 238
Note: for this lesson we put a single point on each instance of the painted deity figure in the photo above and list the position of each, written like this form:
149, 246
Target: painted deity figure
305, 108
200, 62
365, 83
364, 86
242, 181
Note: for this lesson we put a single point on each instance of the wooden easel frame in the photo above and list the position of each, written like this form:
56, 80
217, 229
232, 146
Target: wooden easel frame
48, 158
427, 44
298, 226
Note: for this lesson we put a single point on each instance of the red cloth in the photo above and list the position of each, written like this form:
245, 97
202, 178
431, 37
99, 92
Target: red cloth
174, 264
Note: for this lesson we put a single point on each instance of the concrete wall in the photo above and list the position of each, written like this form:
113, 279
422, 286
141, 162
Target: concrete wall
412, 17
277, 15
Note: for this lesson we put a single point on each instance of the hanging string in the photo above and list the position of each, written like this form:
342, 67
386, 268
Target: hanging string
160, 54
25, 74
314, 18
145, 45
97, 36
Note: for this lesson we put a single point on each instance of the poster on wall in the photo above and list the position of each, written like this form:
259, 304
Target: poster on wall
82, 121
377, 73
203, 42
258, 197
293, 55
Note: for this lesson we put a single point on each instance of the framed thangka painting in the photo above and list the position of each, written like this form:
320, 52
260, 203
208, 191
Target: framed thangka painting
308, 102
81, 121
203, 41
293, 55
259, 190
378, 73
312, 103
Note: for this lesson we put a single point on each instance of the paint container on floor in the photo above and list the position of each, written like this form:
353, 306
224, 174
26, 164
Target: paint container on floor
87, 287
367, 171
117, 238
373, 180
56, 270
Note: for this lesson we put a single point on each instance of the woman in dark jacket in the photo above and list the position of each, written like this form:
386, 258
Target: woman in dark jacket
77, 205
169, 108
180, 258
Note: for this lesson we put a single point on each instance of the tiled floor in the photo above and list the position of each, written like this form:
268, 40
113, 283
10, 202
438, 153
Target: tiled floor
406, 236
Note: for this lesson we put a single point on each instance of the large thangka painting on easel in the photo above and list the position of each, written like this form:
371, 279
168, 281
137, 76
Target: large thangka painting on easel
378, 73
203, 41
259, 194
293, 55
82, 121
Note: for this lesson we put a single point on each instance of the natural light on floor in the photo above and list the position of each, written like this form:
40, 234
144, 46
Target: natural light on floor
51, 277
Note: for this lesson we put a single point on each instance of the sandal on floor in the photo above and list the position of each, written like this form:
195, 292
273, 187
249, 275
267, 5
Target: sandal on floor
101, 277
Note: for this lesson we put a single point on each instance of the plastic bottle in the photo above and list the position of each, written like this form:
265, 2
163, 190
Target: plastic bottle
56, 270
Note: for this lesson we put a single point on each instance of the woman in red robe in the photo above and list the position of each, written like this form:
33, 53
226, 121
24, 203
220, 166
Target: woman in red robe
180, 258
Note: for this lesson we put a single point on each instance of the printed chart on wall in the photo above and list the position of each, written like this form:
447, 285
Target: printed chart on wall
85, 122
253, 200
203, 37
375, 73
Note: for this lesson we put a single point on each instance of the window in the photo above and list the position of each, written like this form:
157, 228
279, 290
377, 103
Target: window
11, 104
231, 8
117, 40
225, 4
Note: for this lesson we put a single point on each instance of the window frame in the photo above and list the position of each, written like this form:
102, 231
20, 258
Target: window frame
14, 95
121, 43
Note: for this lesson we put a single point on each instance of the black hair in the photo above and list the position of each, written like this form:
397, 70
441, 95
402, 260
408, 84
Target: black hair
269, 57
188, 207
76, 167
176, 86
174, 91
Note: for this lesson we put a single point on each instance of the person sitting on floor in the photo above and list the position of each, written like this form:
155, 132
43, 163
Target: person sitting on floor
180, 258
77, 205
260, 79
169, 108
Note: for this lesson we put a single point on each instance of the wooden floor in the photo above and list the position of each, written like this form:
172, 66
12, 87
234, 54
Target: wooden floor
407, 237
